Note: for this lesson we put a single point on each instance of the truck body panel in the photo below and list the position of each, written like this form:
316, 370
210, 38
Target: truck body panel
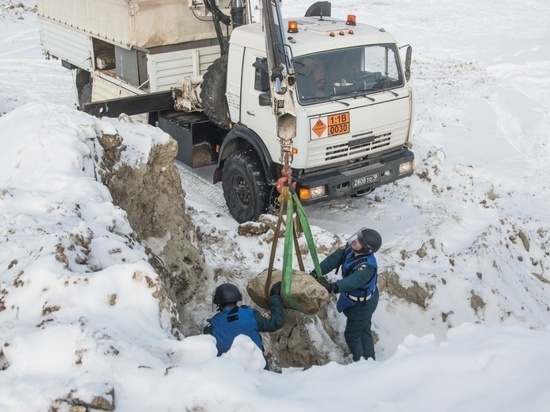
243, 98
107, 87
130, 23
166, 70
67, 44
372, 130
314, 35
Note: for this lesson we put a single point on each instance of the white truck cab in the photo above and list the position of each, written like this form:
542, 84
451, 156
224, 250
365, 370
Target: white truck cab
353, 105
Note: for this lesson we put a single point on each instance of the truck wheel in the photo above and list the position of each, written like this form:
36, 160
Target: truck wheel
212, 93
244, 186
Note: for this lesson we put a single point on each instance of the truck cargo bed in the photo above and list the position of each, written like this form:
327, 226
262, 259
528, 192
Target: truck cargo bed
130, 23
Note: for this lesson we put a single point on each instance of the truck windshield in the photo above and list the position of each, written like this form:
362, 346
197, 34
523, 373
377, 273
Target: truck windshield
343, 73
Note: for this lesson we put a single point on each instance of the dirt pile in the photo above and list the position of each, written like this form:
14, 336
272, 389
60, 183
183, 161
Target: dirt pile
154, 200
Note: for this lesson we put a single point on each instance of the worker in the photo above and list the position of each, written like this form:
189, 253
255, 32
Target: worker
358, 292
320, 80
233, 320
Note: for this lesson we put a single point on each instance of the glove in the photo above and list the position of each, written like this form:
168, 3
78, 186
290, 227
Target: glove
313, 273
331, 287
275, 289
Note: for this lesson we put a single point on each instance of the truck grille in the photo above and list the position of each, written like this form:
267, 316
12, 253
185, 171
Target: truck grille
351, 149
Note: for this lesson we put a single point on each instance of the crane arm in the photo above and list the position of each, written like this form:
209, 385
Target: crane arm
282, 83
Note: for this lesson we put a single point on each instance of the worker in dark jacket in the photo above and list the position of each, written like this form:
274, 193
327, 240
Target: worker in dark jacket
358, 292
233, 320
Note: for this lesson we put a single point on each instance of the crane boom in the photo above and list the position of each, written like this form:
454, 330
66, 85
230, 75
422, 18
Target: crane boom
282, 83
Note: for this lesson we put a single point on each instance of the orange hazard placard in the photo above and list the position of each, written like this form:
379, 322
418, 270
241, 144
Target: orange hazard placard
338, 124
319, 127
331, 125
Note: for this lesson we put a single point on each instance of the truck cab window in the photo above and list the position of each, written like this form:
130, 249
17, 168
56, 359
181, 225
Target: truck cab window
347, 73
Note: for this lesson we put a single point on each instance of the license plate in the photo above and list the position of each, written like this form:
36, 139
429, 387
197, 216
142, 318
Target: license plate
360, 181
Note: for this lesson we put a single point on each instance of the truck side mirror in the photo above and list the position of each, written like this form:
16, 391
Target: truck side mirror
408, 60
303, 67
264, 99
262, 75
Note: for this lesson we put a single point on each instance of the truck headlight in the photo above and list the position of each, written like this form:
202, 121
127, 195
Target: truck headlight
311, 193
406, 167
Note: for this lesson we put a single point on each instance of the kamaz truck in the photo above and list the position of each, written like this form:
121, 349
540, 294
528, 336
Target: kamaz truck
316, 102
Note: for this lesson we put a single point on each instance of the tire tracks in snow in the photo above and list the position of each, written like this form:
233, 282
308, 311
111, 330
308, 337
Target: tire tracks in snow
530, 137
201, 187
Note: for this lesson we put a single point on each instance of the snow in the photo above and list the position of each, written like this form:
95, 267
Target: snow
472, 222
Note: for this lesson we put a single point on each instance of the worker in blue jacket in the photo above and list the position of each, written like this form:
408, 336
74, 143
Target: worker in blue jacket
233, 320
358, 292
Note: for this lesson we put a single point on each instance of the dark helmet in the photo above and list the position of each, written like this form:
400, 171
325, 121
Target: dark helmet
370, 239
226, 293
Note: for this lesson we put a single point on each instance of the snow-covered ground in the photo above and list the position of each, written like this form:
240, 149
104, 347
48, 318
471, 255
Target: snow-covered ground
472, 224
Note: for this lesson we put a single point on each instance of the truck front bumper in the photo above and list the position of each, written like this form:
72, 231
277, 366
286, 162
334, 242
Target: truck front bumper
354, 179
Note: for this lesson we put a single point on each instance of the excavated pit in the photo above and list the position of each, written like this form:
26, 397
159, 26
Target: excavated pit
154, 200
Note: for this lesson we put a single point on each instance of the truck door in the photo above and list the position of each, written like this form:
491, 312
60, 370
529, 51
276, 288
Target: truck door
260, 119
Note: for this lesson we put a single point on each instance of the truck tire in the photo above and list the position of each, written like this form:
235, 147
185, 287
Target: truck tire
244, 186
212, 93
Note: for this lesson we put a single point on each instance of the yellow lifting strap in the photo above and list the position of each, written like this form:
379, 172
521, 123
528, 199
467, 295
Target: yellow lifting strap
294, 213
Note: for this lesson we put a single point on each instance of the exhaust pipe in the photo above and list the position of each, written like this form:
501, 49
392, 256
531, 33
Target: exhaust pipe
237, 14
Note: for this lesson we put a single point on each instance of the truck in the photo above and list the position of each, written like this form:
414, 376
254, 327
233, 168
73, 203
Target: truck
318, 103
